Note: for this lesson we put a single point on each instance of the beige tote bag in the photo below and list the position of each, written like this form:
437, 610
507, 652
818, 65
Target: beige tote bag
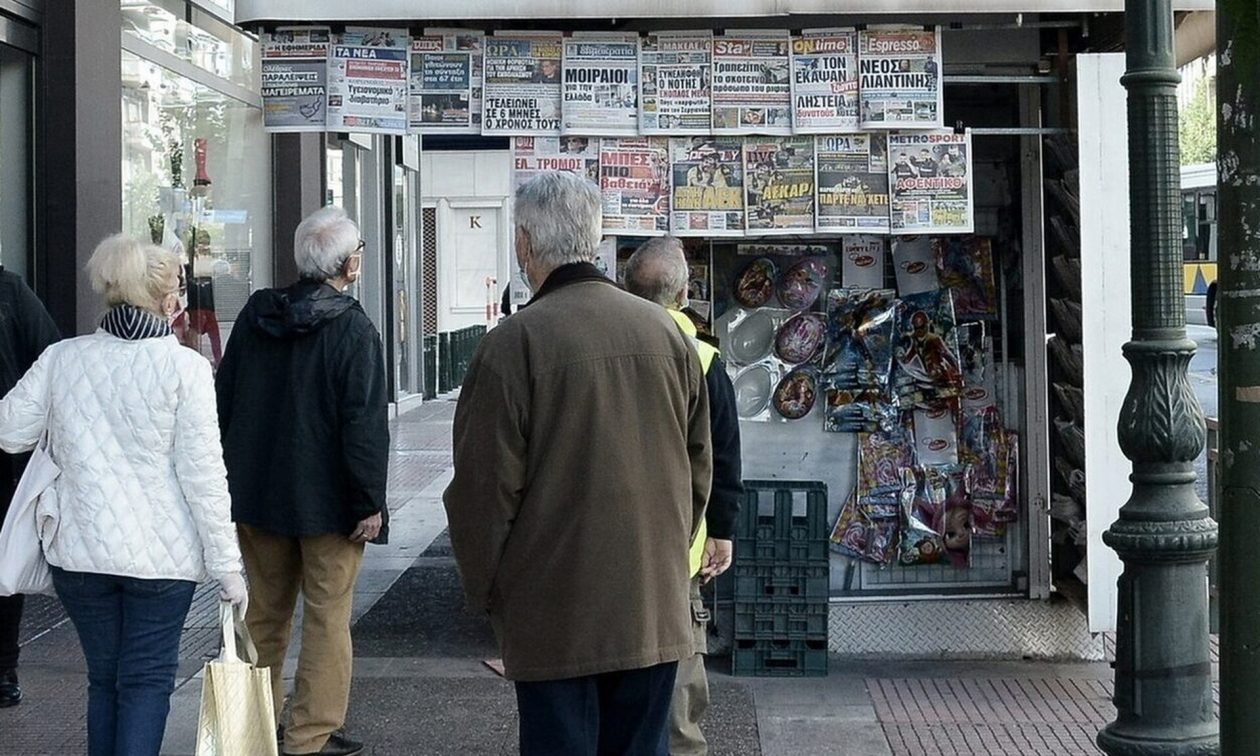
237, 717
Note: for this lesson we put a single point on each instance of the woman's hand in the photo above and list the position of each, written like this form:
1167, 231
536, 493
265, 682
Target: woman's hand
233, 590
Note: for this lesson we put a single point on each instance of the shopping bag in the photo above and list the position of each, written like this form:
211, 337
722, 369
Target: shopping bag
32, 518
236, 717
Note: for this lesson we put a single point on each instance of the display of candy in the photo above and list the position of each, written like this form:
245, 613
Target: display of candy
753, 387
751, 339
862, 411
882, 458
794, 396
755, 285
857, 536
915, 263
928, 366
863, 265
801, 285
800, 338
964, 264
936, 435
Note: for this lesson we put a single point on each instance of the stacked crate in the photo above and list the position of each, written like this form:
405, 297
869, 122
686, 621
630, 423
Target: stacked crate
781, 579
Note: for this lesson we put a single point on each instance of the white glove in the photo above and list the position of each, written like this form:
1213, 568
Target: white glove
233, 590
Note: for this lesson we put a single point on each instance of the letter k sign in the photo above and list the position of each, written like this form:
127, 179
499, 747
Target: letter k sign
474, 221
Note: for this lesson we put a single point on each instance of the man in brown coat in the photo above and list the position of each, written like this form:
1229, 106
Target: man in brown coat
582, 467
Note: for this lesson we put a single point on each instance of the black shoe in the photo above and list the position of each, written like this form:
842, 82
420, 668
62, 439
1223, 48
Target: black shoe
10, 691
338, 745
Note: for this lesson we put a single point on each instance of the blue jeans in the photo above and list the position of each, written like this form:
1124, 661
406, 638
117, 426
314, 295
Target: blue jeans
129, 629
610, 714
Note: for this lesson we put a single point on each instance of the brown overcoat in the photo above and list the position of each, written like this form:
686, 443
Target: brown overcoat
582, 468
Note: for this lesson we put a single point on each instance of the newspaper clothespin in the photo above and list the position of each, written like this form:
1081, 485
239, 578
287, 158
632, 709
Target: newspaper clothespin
959, 128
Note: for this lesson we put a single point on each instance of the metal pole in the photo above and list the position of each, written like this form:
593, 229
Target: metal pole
1238, 287
1163, 674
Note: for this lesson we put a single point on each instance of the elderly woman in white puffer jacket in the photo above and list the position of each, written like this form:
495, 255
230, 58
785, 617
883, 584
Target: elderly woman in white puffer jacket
142, 508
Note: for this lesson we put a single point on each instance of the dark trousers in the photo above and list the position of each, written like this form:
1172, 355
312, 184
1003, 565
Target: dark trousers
129, 629
611, 714
10, 623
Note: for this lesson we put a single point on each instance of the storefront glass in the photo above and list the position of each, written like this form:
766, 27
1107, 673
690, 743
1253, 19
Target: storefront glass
194, 36
197, 179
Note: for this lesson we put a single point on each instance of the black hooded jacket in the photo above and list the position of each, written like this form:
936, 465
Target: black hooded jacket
303, 413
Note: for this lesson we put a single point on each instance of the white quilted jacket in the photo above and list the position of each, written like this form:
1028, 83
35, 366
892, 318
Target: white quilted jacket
133, 426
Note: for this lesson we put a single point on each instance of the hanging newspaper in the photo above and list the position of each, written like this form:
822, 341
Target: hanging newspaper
601, 85
929, 175
752, 83
634, 179
521, 94
675, 71
708, 186
295, 78
779, 185
824, 81
900, 80
446, 83
852, 183
534, 155
367, 81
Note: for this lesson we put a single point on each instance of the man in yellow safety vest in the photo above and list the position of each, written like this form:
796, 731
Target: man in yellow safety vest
657, 271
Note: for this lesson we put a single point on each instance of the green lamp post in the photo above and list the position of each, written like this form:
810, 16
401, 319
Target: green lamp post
1163, 674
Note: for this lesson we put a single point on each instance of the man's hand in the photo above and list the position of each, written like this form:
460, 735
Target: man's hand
717, 558
367, 529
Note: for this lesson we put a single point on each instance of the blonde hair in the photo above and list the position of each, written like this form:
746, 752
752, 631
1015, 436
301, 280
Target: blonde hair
129, 271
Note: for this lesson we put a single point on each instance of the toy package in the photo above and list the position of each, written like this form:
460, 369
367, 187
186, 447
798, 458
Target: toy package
882, 458
858, 536
928, 366
964, 264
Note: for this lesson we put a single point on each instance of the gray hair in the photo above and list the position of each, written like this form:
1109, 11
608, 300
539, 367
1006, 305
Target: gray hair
323, 241
563, 215
657, 271
130, 271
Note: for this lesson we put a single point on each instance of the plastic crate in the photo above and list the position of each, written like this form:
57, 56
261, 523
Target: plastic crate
772, 621
779, 658
782, 583
783, 521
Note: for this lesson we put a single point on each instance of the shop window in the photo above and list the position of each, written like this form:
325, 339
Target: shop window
196, 37
196, 179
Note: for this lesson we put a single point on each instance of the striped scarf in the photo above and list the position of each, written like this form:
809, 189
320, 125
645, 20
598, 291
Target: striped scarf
133, 323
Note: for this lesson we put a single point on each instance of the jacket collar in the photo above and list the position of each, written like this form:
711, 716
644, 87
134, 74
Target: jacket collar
569, 274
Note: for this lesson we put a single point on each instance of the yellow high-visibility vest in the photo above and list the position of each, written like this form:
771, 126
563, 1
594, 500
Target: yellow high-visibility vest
707, 355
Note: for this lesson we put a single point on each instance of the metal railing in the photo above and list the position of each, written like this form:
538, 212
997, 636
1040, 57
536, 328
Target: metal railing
447, 356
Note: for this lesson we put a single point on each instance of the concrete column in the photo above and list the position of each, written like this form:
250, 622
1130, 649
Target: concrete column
298, 188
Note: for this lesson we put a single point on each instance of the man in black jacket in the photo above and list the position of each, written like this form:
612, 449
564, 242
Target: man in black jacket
303, 413
657, 271
25, 330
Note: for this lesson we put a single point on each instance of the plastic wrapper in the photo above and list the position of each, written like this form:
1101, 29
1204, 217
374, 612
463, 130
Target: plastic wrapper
915, 264
859, 537
863, 261
964, 264
751, 339
994, 501
928, 367
1067, 272
981, 447
801, 284
936, 523
882, 459
861, 324
979, 374
1067, 317
754, 386
936, 435
1068, 360
1072, 441
1071, 401
795, 395
755, 284
860, 411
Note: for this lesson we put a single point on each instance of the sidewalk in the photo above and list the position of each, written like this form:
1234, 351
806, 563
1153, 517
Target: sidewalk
421, 686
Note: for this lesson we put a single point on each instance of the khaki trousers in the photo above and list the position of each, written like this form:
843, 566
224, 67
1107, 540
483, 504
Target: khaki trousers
324, 568
691, 687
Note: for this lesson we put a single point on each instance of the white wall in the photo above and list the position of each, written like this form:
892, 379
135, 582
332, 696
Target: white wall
1106, 317
471, 192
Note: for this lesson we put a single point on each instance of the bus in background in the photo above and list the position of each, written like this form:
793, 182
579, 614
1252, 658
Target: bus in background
1198, 241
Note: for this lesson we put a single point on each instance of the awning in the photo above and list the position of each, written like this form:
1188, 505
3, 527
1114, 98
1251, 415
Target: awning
248, 11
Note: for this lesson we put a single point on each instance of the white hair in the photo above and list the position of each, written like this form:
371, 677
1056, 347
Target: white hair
129, 271
657, 271
323, 241
563, 215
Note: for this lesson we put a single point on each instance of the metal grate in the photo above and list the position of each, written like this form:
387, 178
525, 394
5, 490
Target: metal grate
990, 567
428, 255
